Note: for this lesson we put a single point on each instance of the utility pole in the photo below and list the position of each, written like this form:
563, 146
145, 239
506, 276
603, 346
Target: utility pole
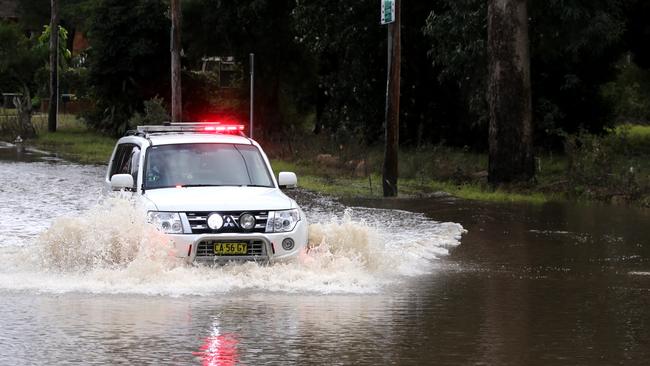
177, 104
391, 9
252, 71
52, 114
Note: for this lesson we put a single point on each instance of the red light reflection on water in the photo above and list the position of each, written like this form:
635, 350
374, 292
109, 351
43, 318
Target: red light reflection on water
219, 350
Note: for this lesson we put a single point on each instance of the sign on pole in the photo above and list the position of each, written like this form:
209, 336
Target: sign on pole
387, 11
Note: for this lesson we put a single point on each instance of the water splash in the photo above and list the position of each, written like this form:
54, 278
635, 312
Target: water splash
112, 235
111, 249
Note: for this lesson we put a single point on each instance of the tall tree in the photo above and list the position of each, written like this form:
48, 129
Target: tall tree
54, 67
176, 61
509, 93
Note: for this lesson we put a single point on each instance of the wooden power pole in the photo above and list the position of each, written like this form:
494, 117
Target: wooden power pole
177, 105
54, 67
389, 171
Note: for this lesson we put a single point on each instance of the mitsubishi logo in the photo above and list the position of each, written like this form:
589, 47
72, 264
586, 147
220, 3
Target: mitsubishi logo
229, 221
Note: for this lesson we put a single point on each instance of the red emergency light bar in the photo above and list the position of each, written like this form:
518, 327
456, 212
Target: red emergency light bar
223, 128
210, 127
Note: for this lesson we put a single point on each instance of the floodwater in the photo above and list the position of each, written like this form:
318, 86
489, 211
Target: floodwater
83, 280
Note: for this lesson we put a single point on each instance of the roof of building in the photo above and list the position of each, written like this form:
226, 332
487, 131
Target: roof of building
8, 9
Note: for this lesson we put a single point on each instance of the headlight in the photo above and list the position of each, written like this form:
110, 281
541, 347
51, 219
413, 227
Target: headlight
167, 222
282, 221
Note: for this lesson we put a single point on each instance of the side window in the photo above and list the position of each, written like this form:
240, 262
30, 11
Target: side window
134, 164
120, 159
126, 161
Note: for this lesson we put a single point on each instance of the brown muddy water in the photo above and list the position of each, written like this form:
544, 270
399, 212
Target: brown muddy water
395, 282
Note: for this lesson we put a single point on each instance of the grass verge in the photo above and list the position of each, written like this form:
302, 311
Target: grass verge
73, 141
329, 182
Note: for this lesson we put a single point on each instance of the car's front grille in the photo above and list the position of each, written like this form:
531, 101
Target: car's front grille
199, 222
255, 248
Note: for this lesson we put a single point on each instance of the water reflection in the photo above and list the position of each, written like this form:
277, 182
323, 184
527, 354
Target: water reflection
219, 349
20, 153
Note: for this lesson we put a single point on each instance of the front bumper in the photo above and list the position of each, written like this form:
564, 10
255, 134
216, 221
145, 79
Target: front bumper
267, 246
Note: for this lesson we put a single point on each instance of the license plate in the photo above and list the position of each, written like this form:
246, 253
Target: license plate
230, 248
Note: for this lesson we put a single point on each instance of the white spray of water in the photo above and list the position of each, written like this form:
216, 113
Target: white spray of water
111, 249
112, 235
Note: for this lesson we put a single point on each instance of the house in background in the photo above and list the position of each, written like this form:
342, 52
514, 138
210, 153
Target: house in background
8, 10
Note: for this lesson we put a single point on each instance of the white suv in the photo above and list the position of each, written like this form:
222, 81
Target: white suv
212, 190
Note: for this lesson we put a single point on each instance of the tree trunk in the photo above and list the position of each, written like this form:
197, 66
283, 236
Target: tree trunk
176, 61
54, 67
509, 93
390, 168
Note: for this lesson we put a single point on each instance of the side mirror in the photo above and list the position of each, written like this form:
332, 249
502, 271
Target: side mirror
121, 181
287, 180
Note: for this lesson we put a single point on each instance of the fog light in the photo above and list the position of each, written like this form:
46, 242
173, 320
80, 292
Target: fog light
215, 221
287, 244
247, 221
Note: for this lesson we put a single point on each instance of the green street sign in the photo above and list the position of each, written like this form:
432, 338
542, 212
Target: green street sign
387, 11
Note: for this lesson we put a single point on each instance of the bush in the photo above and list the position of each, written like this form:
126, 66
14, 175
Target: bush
605, 167
154, 114
629, 93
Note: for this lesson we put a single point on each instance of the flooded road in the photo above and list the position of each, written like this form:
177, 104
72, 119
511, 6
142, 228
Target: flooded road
554, 284
388, 282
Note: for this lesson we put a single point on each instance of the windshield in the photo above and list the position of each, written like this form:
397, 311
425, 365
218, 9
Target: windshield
205, 165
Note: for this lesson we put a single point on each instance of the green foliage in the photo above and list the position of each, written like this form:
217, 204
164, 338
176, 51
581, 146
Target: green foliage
349, 44
129, 60
323, 64
44, 41
608, 167
75, 80
20, 61
42, 76
154, 114
458, 34
20, 58
629, 93
636, 138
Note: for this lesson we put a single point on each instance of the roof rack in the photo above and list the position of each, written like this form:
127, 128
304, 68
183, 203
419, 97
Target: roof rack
190, 127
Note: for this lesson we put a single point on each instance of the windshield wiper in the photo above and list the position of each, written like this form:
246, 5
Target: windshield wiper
202, 185
210, 185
